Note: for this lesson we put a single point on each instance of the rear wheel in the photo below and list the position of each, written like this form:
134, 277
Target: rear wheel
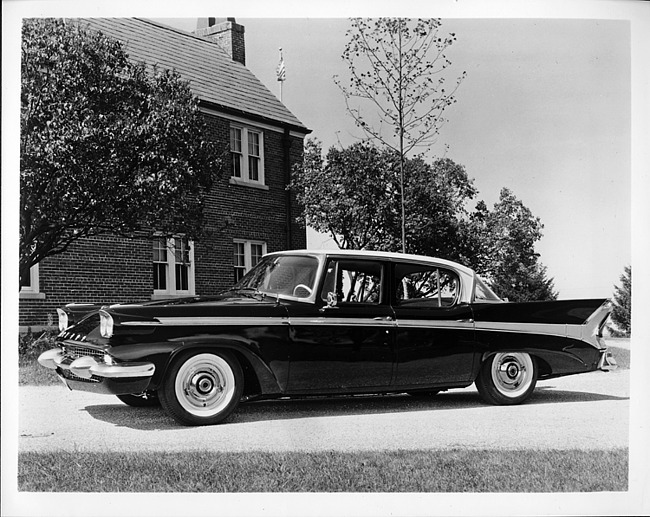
202, 388
507, 378
146, 399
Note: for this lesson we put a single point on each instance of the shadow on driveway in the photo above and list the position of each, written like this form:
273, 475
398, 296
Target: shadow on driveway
282, 409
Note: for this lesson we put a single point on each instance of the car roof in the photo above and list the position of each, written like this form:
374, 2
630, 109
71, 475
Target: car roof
391, 256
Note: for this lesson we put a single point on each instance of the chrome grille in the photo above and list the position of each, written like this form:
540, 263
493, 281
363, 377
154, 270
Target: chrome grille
75, 351
69, 375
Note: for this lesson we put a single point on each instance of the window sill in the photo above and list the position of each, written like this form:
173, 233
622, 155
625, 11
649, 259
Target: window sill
31, 296
169, 296
244, 183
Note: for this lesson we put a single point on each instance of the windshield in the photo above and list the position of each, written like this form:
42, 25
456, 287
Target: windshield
282, 275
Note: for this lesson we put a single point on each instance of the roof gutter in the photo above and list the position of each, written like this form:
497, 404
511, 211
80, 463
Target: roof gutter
253, 117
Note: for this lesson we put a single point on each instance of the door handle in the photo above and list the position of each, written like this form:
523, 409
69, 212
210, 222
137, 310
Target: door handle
383, 318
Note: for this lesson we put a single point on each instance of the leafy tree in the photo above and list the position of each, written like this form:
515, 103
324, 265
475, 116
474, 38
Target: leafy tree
396, 69
353, 195
622, 306
107, 145
503, 241
350, 195
435, 196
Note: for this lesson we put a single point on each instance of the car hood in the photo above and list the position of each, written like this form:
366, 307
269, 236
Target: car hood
191, 310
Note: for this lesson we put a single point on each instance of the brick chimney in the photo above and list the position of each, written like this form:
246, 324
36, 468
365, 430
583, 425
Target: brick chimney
228, 34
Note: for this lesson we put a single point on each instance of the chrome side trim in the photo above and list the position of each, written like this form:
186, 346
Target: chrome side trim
209, 321
549, 329
446, 324
342, 322
256, 322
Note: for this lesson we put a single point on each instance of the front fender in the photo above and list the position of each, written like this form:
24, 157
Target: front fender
164, 353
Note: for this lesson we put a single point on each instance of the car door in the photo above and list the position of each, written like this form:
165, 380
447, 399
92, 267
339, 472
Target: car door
435, 332
343, 343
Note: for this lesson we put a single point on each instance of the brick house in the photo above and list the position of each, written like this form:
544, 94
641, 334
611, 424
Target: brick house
265, 140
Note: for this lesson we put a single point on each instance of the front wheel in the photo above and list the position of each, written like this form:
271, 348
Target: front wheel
507, 378
202, 388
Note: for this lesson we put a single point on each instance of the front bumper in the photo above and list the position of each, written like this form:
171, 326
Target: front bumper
87, 373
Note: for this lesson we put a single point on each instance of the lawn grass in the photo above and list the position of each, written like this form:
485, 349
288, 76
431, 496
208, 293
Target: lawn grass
400, 471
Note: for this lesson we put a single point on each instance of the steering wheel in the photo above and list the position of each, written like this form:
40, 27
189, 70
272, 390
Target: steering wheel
302, 286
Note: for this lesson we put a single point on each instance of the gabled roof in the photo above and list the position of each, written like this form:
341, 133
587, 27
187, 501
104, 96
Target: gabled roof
214, 77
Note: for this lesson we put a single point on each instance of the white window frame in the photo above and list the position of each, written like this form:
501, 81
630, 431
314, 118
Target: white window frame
244, 169
33, 290
248, 255
171, 290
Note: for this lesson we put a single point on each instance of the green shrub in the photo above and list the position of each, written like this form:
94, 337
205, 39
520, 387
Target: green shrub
31, 345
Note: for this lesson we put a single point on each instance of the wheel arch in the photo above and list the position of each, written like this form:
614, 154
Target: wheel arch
507, 377
258, 376
543, 367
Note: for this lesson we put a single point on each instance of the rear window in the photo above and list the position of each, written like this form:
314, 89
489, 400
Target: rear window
482, 293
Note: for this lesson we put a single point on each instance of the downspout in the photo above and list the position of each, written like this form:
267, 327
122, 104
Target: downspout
286, 147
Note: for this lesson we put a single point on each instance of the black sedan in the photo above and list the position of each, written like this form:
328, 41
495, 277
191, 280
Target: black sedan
327, 323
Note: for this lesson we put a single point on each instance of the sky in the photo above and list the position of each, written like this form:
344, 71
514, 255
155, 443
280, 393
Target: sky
545, 110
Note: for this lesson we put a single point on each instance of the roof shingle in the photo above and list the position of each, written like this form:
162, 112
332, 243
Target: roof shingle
213, 76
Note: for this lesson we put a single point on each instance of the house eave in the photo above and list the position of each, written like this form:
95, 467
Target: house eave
229, 110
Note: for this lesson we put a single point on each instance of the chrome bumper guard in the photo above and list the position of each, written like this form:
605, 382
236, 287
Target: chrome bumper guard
607, 363
87, 366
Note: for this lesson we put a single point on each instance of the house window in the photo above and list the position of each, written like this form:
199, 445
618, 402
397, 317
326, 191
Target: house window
246, 150
29, 287
173, 271
246, 256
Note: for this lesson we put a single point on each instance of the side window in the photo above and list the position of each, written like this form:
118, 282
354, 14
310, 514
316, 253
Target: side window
353, 281
425, 286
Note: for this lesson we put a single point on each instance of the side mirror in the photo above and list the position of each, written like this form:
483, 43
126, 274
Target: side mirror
332, 299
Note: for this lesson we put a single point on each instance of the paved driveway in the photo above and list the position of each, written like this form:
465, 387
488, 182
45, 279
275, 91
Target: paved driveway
588, 411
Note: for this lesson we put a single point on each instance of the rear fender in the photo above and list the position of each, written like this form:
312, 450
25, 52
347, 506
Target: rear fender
591, 331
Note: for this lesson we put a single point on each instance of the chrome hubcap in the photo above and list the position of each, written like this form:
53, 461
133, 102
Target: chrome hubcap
512, 373
205, 384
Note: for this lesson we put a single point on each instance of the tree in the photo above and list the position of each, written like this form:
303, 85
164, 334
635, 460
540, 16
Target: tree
350, 195
396, 67
107, 145
353, 195
503, 241
435, 198
622, 306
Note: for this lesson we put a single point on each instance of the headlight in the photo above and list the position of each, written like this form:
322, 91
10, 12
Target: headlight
105, 324
63, 319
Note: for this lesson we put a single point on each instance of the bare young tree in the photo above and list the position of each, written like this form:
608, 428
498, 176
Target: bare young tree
396, 92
